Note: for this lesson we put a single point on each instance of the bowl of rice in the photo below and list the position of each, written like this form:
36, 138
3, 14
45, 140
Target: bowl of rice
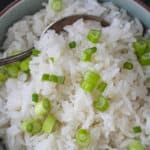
85, 88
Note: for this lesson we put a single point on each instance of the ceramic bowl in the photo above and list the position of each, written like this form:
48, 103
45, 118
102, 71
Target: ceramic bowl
20, 8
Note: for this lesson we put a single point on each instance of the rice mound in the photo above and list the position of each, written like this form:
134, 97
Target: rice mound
73, 108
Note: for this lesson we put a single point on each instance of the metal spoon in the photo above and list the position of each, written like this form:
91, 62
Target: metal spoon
58, 27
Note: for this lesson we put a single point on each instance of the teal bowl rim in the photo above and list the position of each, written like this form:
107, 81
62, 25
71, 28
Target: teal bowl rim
15, 2
12, 4
143, 4
9, 6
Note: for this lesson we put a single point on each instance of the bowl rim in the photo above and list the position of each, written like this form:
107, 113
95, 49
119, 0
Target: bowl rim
9, 6
143, 4
12, 4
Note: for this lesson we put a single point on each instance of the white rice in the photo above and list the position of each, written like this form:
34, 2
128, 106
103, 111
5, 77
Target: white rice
127, 90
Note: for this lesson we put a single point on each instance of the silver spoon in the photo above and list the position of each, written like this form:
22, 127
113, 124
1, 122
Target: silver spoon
58, 27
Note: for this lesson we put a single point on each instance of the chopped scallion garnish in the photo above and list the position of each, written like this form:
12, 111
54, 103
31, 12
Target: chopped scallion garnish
101, 104
94, 35
32, 126
3, 74
60, 79
27, 126
37, 126
92, 76
35, 97
2, 78
87, 53
45, 77
24, 65
137, 129
52, 59
35, 52
148, 46
13, 70
56, 5
140, 47
90, 81
42, 107
102, 86
136, 145
53, 78
83, 137
49, 124
72, 44
145, 59
128, 65
142, 50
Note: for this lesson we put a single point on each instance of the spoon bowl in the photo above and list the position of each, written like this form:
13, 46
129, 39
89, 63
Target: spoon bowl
58, 26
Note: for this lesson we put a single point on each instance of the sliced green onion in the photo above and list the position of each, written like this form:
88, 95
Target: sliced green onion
87, 87
42, 107
45, 77
49, 124
92, 76
72, 44
101, 104
94, 35
35, 97
136, 145
140, 47
53, 78
145, 59
35, 52
148, 46
32, 126
57, 79
137, 129
83, 137
37, 126
27, 126
3, 78
128, 65
56, 5
13, 70
90, 81
60, 79
3, 74
24, 65
87, 53
142, 50
102, 86
52, 59
86, 57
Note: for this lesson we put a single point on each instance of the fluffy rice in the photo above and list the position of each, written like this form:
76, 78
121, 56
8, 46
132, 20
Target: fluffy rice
127, 90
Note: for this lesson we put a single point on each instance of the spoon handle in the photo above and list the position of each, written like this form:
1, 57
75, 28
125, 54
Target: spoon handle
15, 58
58, 26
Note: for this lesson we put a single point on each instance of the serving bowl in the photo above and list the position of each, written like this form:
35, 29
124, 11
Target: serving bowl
20, 8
